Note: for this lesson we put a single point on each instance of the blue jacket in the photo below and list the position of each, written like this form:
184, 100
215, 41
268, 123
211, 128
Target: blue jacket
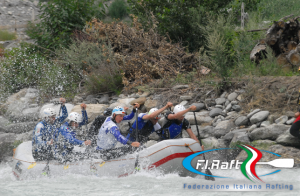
44, 132
66, 135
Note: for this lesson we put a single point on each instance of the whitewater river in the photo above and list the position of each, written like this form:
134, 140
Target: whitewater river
145, 183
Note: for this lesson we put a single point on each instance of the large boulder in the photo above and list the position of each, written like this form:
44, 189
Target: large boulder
230, 135
270, 132
223, 128
241, 138
22, 106
287, 139
22, 127
140, 101
199, 106
93, 110
151, 104
210, 143
201, 117
6, 145
281, 119
259, 117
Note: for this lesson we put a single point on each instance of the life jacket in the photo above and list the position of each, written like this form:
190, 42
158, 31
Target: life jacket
171, 130
94, 129
106, 140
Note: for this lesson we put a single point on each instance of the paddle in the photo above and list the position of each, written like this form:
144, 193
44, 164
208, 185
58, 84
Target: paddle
137, 139
287, 163
207, 171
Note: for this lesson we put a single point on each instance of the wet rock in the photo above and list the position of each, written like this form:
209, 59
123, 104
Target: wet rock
199, 106
223, 128
24, 137
242, 120
184, 103
232, 96
210, 143
6, 145
252, 113
215, 112
270, 132
180, 87
281, 120
220, 101
259, 117
18, 128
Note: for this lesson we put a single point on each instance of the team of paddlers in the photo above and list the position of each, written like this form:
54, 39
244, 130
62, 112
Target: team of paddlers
55, 139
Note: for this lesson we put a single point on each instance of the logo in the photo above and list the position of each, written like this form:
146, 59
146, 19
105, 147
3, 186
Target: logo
247, 167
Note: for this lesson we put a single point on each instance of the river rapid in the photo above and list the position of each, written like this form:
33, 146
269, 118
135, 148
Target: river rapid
147, 183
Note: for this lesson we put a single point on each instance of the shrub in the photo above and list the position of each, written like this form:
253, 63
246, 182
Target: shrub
96, 64
5, 35
118, 9
59, 19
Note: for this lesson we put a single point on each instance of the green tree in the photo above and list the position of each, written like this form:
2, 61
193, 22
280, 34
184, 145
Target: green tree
60, 18
177, 18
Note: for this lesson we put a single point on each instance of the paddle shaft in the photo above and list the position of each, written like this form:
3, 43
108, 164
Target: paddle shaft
285, 163
136, 138
198, 132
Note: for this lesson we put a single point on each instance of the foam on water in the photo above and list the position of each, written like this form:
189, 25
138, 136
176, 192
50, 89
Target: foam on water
142, 183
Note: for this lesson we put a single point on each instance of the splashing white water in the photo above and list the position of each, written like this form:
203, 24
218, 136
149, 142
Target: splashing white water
142, 183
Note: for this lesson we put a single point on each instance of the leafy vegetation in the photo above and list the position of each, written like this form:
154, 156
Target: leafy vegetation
5, 35
59, 19
118, 9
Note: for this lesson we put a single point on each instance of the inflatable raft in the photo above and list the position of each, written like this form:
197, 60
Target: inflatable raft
165, 156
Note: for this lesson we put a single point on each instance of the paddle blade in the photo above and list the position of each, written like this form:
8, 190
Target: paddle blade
208, 172
66, 167
287, 163
31, 166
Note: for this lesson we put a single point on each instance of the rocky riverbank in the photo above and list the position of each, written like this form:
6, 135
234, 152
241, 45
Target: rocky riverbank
222, 121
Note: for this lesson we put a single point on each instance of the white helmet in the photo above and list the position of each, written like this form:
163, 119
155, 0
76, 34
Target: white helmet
153, 110
49, 112
118, 110
178, 108
74, 116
